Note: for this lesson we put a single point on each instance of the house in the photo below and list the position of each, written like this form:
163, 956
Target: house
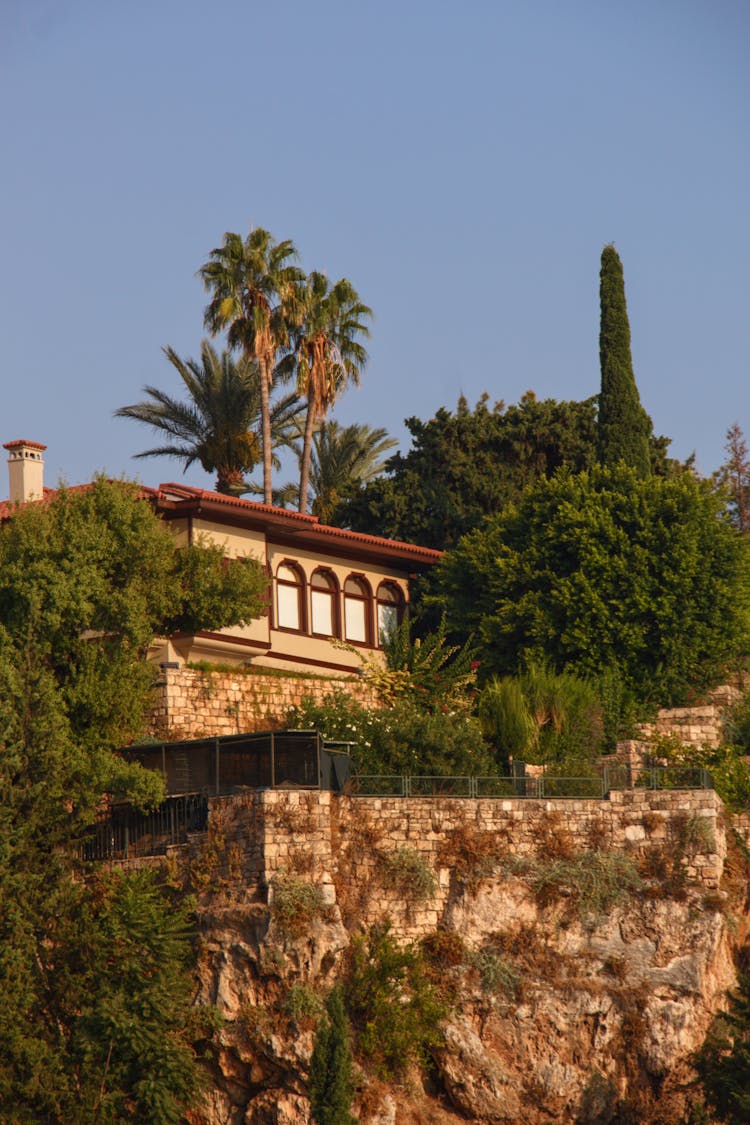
333, 593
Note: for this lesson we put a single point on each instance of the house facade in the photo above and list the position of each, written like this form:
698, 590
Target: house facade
332, 593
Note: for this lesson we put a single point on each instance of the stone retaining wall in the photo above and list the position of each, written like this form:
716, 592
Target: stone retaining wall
192, 704
695, 726
343, 844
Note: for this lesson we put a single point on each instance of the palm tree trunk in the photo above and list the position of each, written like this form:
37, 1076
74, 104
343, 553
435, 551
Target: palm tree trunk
304, 475
265, 412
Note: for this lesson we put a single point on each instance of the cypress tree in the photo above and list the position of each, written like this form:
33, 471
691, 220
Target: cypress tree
623, 427
331, 1081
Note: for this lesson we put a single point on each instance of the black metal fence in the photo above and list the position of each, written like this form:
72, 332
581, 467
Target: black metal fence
271, 759
196, 769
125, 834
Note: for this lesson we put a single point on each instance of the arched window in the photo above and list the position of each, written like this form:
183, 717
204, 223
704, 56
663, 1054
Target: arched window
323, 591
289, 598
390, 609
357, 600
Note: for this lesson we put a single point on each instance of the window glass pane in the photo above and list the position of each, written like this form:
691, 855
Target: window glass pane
286, 574
322, 581
322, 612
287, 599
356, 622
387, 620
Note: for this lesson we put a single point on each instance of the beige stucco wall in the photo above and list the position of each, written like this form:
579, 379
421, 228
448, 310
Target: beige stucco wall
260, 642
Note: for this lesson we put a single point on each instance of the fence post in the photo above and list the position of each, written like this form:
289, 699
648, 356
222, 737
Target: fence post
217, 777
273, 761
127, 842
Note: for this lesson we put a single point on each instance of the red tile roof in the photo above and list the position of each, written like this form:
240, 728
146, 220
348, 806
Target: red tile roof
177, 499
234, 509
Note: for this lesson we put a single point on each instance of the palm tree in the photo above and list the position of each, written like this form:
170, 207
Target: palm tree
344, 457
253, 291
218, 424
328, 353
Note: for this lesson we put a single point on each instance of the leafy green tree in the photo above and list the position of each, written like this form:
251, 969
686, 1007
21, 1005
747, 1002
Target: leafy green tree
606, 570
88, 580
97, 1021
331, 1080
723, 1063
218, 424
468, 464
328, 353
623, 426
254, 289
395, 1008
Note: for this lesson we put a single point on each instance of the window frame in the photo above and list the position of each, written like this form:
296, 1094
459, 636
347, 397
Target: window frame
299, 586
398, 603
334, 593
364, 599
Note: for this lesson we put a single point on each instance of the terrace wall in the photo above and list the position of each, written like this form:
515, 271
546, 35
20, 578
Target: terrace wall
193, 704
341, 844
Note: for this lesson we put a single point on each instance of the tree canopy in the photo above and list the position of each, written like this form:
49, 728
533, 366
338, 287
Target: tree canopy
97, 1018
468, 464
605, 570
219, 423
623, 426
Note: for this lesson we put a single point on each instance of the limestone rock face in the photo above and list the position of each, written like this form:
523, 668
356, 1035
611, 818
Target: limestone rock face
475, 1079
558, 1012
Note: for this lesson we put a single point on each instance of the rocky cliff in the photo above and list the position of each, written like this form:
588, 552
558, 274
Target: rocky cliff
579, 949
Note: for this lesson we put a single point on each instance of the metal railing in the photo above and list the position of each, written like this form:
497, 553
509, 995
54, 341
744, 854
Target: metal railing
580, 788
124, 833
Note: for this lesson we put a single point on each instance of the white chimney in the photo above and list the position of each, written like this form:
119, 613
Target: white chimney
25, 471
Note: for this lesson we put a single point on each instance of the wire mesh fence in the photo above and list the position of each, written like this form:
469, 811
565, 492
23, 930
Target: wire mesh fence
270, 759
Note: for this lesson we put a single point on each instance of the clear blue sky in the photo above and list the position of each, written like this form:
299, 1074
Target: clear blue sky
463, 165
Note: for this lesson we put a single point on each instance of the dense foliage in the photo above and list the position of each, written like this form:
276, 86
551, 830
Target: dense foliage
623, 426
401, 739
606, 570
469, 464
554, 718
331, 1078
97, 1023
394, 1005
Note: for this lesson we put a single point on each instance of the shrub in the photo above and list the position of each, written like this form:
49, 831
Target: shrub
394, 1006
497, 976
331, 1082
402, 739
472, 854
543, 717
427, 670
295, 905
302, 1005
592, 882
406, 872
726, 764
